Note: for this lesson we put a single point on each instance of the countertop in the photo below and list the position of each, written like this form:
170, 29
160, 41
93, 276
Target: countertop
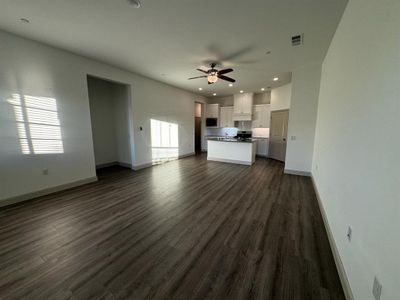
231, 140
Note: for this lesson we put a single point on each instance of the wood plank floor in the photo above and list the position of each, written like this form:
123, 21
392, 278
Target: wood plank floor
188, 229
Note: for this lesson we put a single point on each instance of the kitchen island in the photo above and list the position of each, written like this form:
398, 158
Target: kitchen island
232, 150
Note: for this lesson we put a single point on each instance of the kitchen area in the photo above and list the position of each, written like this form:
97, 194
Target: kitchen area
237, 128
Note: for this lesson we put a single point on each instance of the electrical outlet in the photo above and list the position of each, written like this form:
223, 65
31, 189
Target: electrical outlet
349, 233
293, 137
377, 289
45, 171
316, 167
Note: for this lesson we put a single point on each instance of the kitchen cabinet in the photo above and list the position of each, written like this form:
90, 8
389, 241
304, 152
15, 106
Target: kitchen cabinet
212, 111
243, 107
226, 117
261, 116
262, 147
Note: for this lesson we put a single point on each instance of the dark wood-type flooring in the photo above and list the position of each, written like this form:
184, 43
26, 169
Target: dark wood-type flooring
188, 229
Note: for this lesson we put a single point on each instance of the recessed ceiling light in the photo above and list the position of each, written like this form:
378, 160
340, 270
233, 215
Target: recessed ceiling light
135, 3
214, 94
23, 20
230, 84
241, 92
200, 89
263, 89
276, 79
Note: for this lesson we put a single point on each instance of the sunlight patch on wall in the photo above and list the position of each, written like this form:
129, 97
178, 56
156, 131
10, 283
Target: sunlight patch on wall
164, 141
38, 124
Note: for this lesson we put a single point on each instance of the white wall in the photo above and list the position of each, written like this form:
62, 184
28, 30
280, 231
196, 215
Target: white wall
222, 101
31, 68
302, 118
356, 157
258, 98
262, 98
280, 97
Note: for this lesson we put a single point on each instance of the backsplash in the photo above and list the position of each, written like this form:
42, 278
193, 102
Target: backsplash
261, 132
220, 131
257, 132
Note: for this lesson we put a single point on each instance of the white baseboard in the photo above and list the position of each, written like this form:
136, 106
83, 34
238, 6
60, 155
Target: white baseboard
142, 166
125, 165
147, 165
338, 261
296, 172
186, 155
114, 163
47, 191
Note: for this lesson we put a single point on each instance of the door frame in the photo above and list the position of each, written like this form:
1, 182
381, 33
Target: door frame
202, 124
270, 122
129, 88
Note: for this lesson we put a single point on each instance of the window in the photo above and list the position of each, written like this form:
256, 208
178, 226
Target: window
164, 141
38, 125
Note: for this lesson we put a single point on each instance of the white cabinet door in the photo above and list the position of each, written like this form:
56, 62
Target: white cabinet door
223, 117
261, 116
243, 107
227, 117
237, 104
212, 111
262, 147
256, 117
247, 103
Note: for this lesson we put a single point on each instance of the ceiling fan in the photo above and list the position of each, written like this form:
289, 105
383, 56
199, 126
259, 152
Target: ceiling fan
213, 74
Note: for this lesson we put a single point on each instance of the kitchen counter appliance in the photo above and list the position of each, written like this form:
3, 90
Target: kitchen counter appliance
243, 135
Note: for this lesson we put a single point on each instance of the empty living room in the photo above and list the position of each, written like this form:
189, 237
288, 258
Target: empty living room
190, 149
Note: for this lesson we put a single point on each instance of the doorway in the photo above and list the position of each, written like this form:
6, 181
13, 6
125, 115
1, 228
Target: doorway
197, 127
110, 117
278, 134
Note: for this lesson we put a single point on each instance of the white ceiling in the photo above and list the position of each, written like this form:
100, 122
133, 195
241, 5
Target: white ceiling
168, 39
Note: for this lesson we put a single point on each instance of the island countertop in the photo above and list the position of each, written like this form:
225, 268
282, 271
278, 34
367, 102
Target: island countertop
231, 140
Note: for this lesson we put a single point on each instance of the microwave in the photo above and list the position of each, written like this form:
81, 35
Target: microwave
211, 122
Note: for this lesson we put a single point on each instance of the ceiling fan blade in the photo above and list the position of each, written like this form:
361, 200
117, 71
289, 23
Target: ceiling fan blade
226, 78
225, 71
197, 77
206, 72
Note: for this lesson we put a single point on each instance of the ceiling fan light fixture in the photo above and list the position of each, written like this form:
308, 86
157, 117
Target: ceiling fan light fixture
212, 77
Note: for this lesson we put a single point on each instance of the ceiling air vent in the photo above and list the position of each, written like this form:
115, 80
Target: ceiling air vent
297, 40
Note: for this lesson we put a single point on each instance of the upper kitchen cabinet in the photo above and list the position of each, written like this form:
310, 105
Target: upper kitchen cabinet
212, 111
243, 107
261, 116
227, 117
